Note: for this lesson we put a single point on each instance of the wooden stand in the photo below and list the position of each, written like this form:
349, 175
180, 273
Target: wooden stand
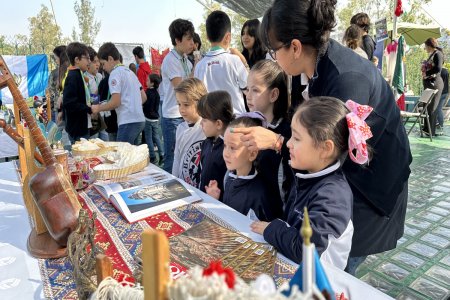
40, 244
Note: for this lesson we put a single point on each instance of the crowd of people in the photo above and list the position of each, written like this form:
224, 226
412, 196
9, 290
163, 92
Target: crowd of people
294, 120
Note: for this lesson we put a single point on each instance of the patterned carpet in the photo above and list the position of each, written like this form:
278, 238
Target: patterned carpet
419, 268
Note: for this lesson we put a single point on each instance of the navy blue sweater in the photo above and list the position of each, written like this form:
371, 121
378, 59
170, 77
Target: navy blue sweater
271, 165
250, 192
212, 164
329, 200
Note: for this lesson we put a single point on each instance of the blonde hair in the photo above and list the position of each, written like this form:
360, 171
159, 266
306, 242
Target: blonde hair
192, 88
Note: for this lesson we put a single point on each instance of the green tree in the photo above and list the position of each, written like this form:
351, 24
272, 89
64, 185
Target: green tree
44, 33
88, 25
236, 24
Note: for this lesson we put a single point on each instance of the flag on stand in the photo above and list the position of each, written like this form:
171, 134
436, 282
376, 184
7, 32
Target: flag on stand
398, 79
30, 73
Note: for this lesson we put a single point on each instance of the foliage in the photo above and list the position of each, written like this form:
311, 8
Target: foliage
44, 33
414, 58
88, 25
236, 24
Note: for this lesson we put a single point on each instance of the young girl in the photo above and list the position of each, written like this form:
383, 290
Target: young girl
267, 93
189, 134
244, 188
216, 110
319, 142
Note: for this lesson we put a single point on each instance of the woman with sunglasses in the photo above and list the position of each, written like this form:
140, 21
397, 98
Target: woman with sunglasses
296, 32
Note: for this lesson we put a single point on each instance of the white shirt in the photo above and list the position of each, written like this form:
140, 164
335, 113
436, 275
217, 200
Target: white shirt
220, 70
173, 66
124, 82
186, 157
94, 80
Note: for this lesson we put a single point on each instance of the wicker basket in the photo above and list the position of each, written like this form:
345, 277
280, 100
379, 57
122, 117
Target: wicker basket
119, 173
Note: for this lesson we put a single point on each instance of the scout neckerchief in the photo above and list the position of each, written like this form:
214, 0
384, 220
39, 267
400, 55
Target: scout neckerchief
215, 48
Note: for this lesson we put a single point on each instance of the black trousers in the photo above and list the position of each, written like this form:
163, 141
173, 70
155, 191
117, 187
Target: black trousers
435, 84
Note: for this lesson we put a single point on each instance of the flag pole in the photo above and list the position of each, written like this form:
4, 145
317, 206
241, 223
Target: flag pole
308, 255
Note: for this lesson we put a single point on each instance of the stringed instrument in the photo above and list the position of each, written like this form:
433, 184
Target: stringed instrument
52, 190
12, 133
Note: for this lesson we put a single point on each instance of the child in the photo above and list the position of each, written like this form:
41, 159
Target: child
189, 135
151, 107
216, 111
174, 69
319, 142
219, 69
77, 100
141, 68
267, 93
93, 80
244, 189
127, 95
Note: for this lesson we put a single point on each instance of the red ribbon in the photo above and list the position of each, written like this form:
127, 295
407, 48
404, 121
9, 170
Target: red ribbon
216, 267
398, 8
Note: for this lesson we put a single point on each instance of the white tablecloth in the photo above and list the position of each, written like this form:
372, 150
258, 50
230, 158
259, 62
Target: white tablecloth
19, 273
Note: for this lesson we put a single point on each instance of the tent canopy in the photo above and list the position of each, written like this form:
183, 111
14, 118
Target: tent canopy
415, 34
250, 9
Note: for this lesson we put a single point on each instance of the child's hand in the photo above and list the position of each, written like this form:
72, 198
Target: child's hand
259, 226
212, 189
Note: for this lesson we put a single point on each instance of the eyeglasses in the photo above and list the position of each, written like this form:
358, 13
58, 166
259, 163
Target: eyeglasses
86, 57
273, 52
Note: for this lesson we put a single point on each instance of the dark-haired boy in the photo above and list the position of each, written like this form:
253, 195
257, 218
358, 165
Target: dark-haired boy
220, 68
127, 95
174, 69
143, 68
76, 96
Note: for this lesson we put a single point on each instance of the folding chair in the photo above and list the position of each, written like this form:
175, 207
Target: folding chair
420, 112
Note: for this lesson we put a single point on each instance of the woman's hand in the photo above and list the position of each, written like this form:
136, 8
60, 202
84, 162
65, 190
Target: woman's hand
212, 189
259, 226
257, 138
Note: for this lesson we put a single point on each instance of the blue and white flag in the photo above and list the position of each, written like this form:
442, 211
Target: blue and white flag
30, 73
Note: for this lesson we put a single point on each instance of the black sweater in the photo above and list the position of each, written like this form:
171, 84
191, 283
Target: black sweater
151, 106
212, 164
250, 192
74, 105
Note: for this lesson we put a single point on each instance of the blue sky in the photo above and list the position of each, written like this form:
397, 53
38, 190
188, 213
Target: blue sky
134, 21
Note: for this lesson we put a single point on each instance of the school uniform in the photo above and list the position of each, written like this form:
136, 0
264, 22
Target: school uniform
250, 192
212, 164
76, 110
380, 188
328, 198
186, 161
221, 70
274, 167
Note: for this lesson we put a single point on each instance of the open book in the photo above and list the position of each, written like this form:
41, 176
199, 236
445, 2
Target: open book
150, 174
145, 200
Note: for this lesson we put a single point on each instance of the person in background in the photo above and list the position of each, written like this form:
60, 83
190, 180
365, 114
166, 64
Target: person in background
151, 130
431, 74
143, 68
362, 20
442, 102
127, 95
133, 68
352, 39
375, 61
223, 68
196, 54
174, 69
189, 135
253, 49
53, 81
110, 116
77, 100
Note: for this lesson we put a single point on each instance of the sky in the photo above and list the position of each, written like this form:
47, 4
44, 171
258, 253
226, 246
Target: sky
135, 21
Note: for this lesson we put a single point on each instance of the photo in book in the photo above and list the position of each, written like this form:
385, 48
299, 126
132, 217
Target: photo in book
209, 241
148, 176
142, 201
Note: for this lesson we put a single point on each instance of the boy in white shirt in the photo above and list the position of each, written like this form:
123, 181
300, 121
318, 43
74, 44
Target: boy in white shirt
174, 69
221, 69
189, 135
127, 95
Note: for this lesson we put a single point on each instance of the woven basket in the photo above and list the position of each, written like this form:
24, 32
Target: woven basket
119, 173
